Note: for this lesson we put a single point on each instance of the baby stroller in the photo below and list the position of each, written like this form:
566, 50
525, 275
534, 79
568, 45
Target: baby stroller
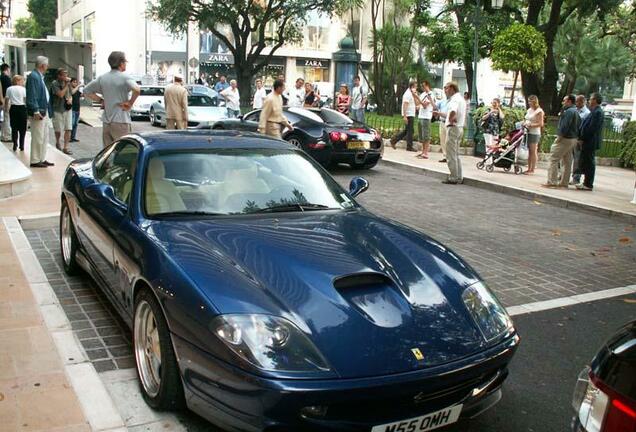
506, 152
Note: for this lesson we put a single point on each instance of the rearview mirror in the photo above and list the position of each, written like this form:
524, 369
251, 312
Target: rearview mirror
102, 192
357, 186
240, 117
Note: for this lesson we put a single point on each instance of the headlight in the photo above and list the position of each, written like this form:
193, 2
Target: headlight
269, 343
491, 318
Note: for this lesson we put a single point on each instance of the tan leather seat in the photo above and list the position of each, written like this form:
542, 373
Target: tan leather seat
241, 181
162, 196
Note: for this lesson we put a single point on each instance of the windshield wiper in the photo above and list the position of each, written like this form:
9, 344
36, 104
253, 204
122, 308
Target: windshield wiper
292, 207
188, 213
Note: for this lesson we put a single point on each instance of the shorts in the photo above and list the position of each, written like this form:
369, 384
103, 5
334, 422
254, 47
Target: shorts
533, 139
425, 129
62, 121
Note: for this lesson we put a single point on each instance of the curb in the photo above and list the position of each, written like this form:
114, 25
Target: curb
97, 405
522, 193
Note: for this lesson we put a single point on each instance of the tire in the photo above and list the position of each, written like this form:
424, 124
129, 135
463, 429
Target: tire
490, 168
480, 165
68, 241
295, 140
518, 169
160, 384
153, 118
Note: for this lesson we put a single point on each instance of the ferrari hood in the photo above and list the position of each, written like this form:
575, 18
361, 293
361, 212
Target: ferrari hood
367, 291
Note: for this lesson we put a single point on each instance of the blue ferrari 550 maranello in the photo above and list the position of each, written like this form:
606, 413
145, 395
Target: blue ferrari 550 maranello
262, 296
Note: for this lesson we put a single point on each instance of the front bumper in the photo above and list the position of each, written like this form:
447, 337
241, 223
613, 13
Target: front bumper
140, 112
239, 401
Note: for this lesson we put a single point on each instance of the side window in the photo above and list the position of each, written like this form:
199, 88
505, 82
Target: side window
253, 116
118, 169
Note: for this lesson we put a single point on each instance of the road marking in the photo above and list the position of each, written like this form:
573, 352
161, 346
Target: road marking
97, 405
570, 301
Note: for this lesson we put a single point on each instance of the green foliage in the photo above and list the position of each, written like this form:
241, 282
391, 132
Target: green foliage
443, 42
628, 153
27, 28
591, 60
519, 48
44, 12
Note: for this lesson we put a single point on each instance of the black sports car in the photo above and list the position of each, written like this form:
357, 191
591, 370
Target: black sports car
328, 136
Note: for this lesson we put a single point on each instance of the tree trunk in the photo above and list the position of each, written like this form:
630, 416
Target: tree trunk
245, 74
514, 87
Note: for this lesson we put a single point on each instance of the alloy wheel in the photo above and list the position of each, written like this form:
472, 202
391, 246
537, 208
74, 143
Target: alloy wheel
147, 348
66, 236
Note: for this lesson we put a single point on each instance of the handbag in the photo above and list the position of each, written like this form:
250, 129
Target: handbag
67, 106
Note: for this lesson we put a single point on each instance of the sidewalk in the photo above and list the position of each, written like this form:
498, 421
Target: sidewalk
613, 187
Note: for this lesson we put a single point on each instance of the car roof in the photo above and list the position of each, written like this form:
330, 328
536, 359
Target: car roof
208, 139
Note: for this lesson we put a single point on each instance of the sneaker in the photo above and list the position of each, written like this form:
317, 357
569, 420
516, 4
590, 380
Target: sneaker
74, 140
574, 182
581, 186
447, 181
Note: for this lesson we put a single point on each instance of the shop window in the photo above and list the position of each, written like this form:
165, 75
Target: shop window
76, 31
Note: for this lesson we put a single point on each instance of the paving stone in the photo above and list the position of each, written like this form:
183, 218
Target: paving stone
121, 351
125, 362
97, 354
92, 343
104, 365
86, 334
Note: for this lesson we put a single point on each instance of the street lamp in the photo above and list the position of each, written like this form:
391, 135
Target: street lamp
495, 4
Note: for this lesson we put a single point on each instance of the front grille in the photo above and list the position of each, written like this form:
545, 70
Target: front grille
411, 404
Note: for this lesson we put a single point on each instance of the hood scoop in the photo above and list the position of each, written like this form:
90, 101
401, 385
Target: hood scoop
375, 297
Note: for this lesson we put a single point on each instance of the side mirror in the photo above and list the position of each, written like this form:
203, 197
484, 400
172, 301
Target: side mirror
102, 192
357, 186
240, 117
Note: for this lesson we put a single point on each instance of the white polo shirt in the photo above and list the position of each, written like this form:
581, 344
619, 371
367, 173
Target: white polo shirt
457, 104
233, 100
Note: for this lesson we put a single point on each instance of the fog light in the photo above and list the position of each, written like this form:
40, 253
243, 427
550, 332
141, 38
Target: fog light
314, 411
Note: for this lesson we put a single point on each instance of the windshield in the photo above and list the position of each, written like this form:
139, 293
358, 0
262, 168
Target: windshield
334, 117
200, 101
238, 181
151, 91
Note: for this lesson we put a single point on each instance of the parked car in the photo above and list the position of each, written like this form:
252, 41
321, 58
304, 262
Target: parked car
196, 89
203, 112
148, 95
328, 136
265, 298
605, 393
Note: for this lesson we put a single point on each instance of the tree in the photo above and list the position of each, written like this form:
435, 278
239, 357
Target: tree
44, 12
519, 48
248, 22
452, 37
27, 28
547, 17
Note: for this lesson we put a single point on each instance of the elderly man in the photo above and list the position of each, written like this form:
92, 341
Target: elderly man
232, 100
39, 112
590, 136
175, 100
115, 87
581, 108
455, 120
272, 119
561, 151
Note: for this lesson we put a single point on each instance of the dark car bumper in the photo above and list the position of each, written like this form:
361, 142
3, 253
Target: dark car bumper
238, 401
356, 157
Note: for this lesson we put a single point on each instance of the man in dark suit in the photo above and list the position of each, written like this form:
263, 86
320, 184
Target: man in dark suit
591, 135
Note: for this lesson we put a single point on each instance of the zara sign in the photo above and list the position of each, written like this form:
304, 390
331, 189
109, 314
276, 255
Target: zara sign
313, 63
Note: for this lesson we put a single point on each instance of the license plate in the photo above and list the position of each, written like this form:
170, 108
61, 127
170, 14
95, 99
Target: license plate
424, 423
366, 137
354, 145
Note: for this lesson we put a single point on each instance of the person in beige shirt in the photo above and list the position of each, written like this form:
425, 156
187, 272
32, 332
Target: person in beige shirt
272, 118
175, 98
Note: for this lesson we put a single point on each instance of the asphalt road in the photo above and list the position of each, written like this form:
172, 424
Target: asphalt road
526, 251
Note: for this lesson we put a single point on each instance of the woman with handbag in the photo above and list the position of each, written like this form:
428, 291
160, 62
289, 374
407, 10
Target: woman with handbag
491, 123
62, 103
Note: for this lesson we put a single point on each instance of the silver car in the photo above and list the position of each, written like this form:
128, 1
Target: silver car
202, 112
147, 96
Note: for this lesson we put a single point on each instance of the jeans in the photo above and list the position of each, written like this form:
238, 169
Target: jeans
406, 132
357, 115
233, 113
76, 117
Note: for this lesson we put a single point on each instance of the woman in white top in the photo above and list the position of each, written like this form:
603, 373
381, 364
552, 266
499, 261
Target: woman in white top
16, 100
535, 118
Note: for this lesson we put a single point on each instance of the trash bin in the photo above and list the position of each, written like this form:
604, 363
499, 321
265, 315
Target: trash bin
480, 143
